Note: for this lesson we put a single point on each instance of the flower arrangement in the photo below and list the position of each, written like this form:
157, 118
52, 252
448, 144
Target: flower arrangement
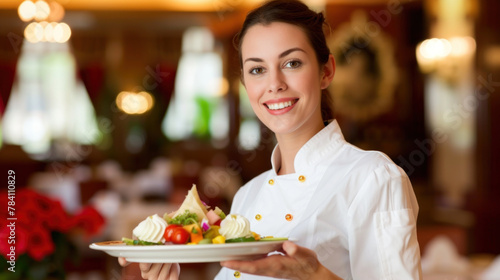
40, 231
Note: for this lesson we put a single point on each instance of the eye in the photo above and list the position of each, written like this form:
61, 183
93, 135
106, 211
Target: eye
256, 71
293, 64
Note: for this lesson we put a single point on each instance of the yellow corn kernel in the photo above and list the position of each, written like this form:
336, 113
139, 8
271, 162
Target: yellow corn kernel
219, 240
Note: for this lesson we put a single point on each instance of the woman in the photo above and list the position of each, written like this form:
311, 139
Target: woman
352, 212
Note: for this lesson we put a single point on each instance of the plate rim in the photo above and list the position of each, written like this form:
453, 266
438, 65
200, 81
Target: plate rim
122, 245
183, 253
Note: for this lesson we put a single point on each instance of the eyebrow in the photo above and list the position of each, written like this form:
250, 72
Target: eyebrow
283, 54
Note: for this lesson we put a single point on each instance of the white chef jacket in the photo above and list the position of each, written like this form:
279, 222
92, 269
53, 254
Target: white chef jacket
356, 209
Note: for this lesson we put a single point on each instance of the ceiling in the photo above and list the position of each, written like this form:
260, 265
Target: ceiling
177, 5
144, 5
153, 15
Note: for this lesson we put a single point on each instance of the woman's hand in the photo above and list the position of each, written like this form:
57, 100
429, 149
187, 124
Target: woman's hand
298, 263
156, 271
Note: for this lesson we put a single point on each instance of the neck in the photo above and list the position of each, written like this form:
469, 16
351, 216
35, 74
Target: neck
291, 143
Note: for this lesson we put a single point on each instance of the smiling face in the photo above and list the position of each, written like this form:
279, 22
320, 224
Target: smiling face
283, 79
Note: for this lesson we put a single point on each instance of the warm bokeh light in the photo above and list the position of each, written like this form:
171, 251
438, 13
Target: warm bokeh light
462, 46
42, 10
62, 32
435, 48
26, 10
46, 27
440, 48
56, 11
134, 103
34, 32
432, 52
47, 32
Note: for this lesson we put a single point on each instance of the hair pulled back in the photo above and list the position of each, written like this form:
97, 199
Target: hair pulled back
296, 13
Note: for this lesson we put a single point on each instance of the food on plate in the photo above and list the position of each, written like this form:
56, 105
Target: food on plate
193, 223
180, 236
235, 226
151, 229
192, 204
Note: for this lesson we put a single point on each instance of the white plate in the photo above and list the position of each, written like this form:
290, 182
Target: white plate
188, 253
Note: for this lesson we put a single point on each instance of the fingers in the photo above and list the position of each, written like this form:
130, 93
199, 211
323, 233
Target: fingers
150, 271
164, 271
298, 263
145, 267
123, 262
160, 271
269, 266
305, 257
290, 248
299, 253
175, 272
257, 257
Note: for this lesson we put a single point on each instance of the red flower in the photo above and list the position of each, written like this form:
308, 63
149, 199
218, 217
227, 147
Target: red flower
22, 234
4, 203
58, 219
45, 207
26, 196
36, 209
38, 219
28, 214
40, 243
90, 220
18, 240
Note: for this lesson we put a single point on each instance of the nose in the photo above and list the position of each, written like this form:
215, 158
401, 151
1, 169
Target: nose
276, 82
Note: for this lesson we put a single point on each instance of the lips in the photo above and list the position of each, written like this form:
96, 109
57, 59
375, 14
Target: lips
280, 105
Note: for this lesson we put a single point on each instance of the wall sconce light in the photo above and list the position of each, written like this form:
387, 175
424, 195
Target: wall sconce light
134, 103
447, 58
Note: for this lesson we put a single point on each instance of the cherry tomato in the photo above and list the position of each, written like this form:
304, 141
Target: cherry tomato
180, 236
168, 232
217, 223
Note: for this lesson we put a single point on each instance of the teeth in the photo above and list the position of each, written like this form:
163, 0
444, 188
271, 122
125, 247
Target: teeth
279, 106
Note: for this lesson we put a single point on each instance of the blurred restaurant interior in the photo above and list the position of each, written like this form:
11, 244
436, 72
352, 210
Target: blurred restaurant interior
122, 106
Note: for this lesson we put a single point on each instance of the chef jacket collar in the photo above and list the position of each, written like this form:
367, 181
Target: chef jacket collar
326, 142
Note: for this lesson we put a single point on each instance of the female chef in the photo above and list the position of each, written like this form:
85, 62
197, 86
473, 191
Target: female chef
352, 213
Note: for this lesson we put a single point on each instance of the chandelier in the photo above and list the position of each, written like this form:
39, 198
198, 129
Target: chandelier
45, 21
48, 113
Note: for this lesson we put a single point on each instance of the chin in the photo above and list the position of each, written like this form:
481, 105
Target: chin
282, 128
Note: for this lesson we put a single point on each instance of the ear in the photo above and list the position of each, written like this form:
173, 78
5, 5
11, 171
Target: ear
328, 72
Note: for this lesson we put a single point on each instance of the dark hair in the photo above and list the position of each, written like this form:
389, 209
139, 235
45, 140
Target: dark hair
296, 13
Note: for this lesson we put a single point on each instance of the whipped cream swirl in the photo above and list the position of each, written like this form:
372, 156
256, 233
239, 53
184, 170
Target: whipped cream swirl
151, 229
235, 226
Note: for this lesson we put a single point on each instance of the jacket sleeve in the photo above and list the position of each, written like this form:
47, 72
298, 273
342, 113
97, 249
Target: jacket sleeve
382, 227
